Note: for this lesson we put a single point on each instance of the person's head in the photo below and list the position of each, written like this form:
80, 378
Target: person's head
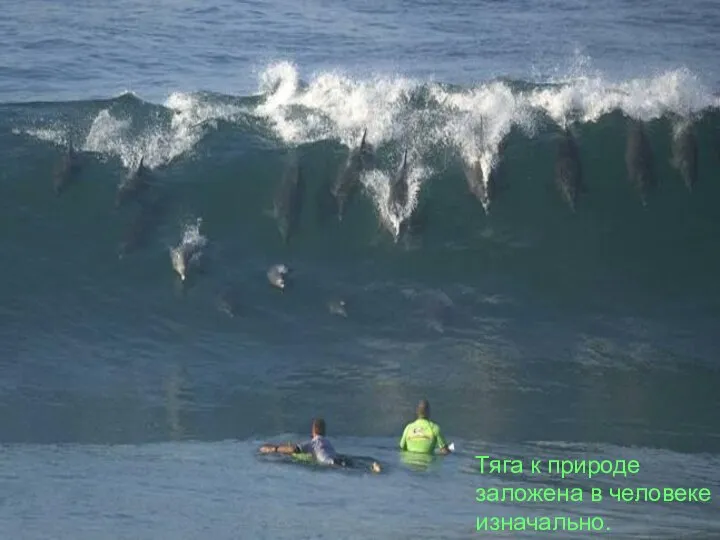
423, 409
318, 427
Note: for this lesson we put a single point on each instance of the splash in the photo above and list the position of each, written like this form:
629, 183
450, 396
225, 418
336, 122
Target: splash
474, 122
332, 106
159, 142
192, 238
190, 249
56, 135
377, 184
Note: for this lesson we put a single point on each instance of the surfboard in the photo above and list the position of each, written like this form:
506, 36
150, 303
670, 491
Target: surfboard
350, 463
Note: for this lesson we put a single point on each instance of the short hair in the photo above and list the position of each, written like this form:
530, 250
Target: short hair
423, 409
318, 426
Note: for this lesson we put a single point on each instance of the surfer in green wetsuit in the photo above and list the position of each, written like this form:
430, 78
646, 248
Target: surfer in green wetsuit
423, 436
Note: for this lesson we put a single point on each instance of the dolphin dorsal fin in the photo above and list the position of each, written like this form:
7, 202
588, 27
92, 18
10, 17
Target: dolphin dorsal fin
362, 140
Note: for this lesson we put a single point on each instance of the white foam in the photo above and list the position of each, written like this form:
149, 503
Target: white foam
333, 105
56, 135
107, 136
159, 143
472, 122
192, 237
191, 246
589, 98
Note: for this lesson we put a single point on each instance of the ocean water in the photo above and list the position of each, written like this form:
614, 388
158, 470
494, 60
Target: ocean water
544, 319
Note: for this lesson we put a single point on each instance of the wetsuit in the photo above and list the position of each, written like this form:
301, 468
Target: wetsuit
422, 436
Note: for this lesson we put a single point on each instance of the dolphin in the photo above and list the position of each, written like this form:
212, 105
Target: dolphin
685, 154
276, 275
133, 185
287, 203
397, 201
348, 178
399, 186
483, 191
639, 161
66, 171
568, 170
183, 257
179, 261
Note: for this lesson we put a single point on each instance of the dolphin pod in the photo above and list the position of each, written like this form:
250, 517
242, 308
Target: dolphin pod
289, 192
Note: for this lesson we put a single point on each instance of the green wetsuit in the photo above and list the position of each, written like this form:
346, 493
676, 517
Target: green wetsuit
422, 436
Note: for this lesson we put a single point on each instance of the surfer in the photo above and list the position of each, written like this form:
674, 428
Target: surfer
318, 446
423, 436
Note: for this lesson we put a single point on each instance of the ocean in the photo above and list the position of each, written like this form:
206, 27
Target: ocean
544, 267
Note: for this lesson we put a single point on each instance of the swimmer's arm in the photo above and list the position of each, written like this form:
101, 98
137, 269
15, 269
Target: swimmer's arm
441, 444
279, 448
403, 439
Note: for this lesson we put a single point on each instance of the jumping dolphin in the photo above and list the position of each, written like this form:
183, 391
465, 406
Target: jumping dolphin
183, 257
287, 203
639, 161
133, 185
276, 275
685, 152
483, 191
399, 186
348, 178
179, 262
394, 218
66, 170
568, 170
